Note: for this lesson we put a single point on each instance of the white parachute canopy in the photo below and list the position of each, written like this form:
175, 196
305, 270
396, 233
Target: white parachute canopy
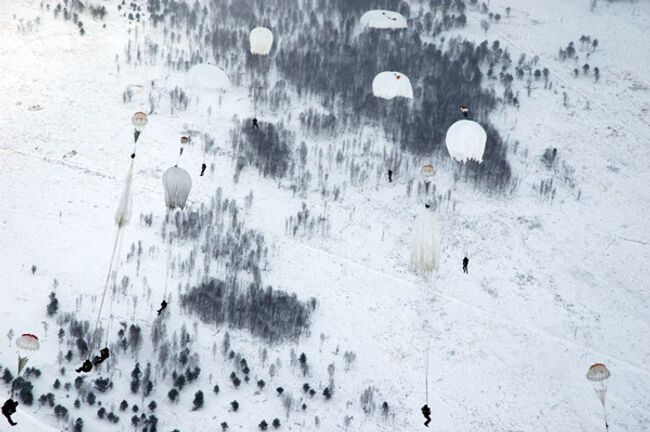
466, 140
177, 183
208, 77
383, 19
123, 212
425, 250
388, 85
261, 40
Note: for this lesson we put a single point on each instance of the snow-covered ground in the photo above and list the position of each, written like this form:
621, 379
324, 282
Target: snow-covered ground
553, 285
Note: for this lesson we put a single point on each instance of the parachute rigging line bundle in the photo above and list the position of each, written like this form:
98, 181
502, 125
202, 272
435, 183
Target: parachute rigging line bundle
122, 219
425, 249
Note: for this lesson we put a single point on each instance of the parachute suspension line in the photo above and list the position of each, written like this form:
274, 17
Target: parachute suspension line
180, 153
603, 389
114, 285
426, 378
169, 253
101, 304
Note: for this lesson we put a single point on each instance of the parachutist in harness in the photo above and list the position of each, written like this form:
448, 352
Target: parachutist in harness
86, 367
255, 126
203, 167
163, 306
390, 175
426, 412
465, 264
464, 110
104, 354
8, 409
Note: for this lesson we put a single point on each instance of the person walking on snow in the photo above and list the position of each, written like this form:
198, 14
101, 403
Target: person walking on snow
465, 264
203, 167
426, 412
8, 409
255, 126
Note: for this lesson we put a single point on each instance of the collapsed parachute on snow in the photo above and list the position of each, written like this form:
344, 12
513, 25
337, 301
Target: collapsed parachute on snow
425, 249
261, 40
177, 184
466, 140
123, 212
383, 19
388, 85
207, 77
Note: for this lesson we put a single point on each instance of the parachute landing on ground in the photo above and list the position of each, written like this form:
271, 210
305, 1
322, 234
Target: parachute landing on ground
383, 19
466, 140
389, 85
261, 40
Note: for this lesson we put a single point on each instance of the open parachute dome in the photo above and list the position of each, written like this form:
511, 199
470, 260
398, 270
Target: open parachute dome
261, 40
28, 341
466, 140
177, 184
139, 120
427, 172
208, 77
598, 373
388, 85
383, 19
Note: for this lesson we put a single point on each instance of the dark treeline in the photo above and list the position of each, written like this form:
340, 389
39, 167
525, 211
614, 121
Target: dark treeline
270, 314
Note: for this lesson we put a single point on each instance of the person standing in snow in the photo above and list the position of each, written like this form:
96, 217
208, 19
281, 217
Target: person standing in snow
8, 409
390, 175
465, 264
255, 126
426, 412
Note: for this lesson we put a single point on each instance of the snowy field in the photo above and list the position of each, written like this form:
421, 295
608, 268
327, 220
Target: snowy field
554, 285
